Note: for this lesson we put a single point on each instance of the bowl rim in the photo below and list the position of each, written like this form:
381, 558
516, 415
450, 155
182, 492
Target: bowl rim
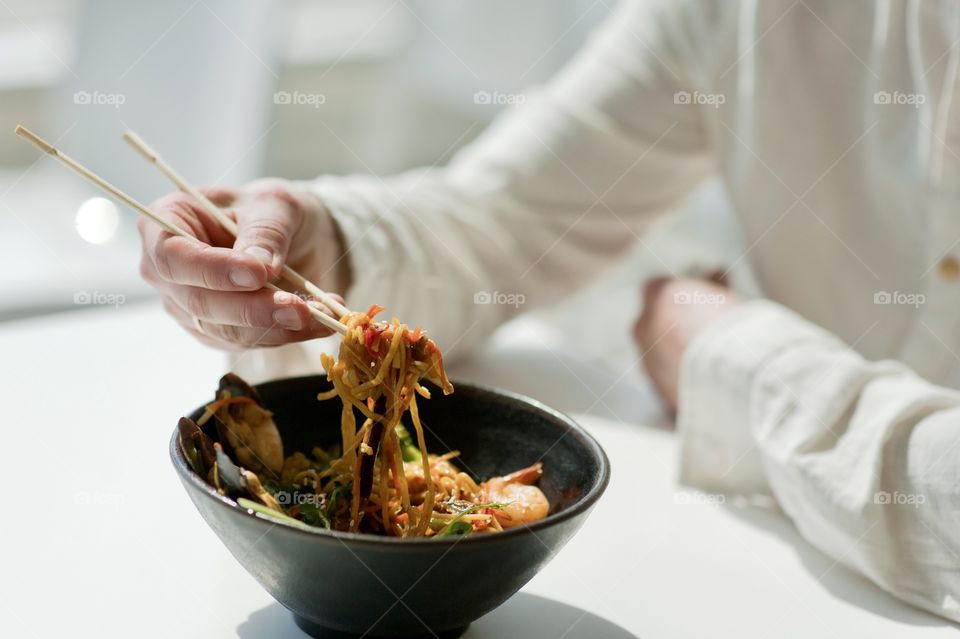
585, 503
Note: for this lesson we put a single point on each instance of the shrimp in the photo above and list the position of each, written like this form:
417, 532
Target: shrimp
523, 502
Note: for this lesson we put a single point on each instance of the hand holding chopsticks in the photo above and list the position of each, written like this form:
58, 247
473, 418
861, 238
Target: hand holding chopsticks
228, 225
310, 289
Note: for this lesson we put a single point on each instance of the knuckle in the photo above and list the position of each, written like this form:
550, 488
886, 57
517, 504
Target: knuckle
213, 273
147, 271
249, 315
179, 209
272, 187
172, 207
161, 259
271, 230
218, 194
196, 302
280, 193
232, 334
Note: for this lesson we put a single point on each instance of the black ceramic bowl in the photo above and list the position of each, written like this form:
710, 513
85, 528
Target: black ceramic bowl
344, 585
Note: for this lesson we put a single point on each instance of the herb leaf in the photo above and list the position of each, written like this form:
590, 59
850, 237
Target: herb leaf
456, 527
459, 527
408, 449
313, 514
334, 497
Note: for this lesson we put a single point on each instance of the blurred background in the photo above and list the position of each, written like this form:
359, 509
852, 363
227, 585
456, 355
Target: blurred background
230, 90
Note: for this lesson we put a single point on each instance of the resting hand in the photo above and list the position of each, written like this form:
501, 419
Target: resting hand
215, 287
674, 312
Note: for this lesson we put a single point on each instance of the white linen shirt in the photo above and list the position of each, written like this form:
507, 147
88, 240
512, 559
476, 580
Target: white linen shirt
836, 129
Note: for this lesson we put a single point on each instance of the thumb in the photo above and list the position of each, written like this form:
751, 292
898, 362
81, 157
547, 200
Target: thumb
265, 230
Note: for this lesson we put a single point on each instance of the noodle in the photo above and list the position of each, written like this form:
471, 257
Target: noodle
382, 480
427, 475
378, 372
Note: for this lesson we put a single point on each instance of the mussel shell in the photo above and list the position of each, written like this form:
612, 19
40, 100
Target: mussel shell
237, 387
192, 454
228, 472
196, 445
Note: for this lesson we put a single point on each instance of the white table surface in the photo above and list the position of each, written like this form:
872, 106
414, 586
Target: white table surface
99, 538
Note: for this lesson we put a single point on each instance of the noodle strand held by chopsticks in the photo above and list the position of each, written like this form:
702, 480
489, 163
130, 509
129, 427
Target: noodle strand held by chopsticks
348, 431
383, 467
396, 460
377, 373
421, 442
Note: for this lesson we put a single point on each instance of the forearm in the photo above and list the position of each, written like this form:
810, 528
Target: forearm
547, 197
458, 261
857, 453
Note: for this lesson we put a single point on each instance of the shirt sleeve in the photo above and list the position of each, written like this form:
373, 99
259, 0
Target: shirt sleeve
861, 455
546, 198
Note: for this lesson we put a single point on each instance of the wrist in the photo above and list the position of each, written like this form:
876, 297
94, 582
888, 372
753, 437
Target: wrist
321, 255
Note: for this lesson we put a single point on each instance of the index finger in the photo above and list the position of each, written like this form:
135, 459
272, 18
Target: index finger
190, 260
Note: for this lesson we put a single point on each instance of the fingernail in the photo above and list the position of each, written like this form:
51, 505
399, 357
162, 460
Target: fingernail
262, 254
243, 278
288, 318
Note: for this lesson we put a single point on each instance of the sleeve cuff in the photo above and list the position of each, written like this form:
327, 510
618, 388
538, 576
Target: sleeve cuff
348, 200
718, 374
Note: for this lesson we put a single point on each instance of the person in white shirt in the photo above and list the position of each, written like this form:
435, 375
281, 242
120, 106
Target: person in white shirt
835, 127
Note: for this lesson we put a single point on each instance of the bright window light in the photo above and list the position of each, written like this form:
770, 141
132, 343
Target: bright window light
97, 220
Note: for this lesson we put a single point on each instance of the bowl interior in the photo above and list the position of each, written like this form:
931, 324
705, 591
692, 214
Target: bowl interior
496, 433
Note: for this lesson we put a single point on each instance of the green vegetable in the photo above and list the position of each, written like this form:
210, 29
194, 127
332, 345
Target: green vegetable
314, 515
270, 512
408, 449
459, 527
334, 498
273, 487
456, 527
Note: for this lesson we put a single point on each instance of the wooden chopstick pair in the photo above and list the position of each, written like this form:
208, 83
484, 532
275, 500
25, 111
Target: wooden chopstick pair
228, 225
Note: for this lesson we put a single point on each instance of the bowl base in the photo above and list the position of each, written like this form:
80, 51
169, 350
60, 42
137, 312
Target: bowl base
318, 631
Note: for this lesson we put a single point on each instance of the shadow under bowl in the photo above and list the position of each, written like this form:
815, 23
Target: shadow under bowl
347, 585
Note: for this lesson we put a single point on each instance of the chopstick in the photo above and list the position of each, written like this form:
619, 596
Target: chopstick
149, 154
98, 181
